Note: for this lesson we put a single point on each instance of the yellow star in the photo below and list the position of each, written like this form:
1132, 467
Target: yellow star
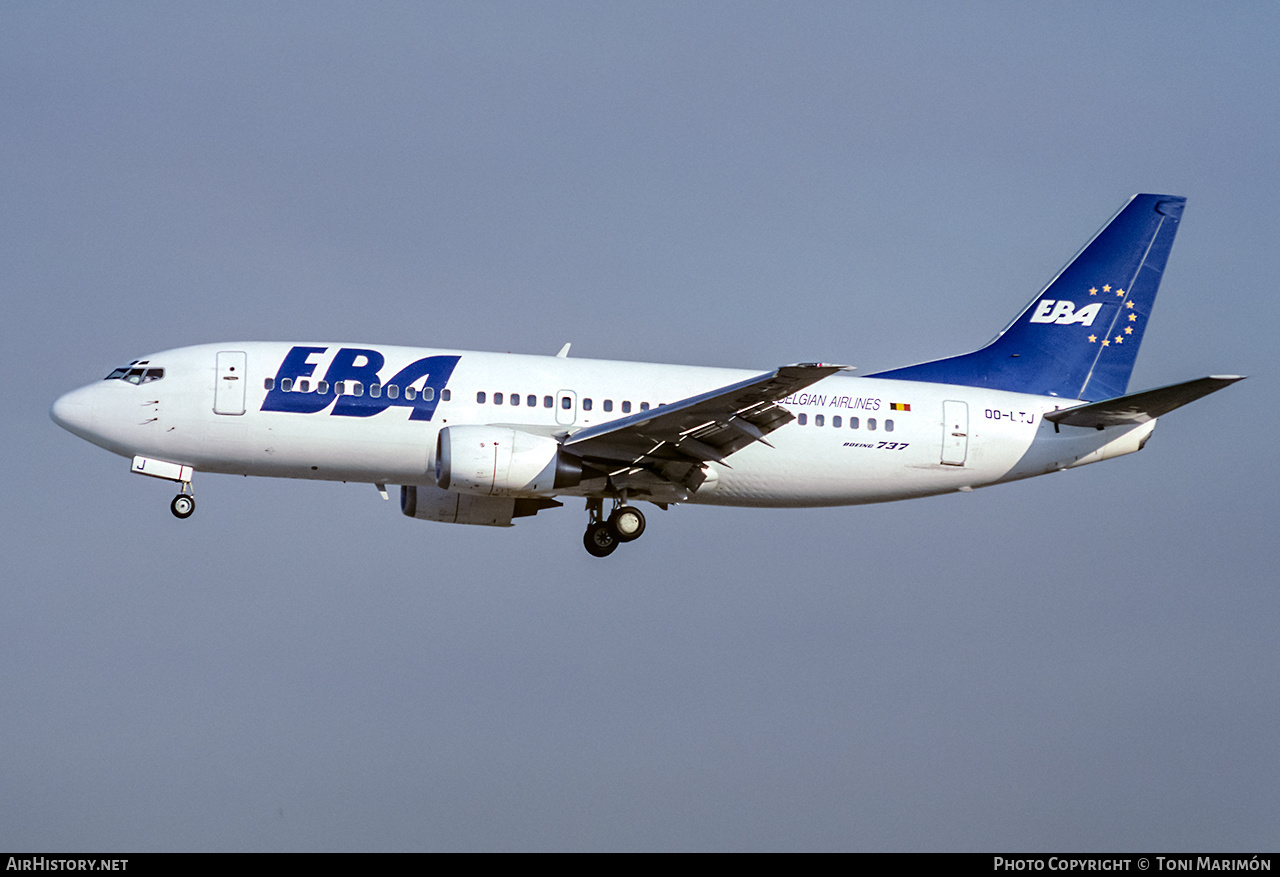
1128, 330
1128, 304
1106, 287
1120, 292
1093, 290
1119, 339
1105, 342
1132, 317
1093, 338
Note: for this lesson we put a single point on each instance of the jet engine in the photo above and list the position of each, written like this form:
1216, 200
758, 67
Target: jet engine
429, 503
494, 461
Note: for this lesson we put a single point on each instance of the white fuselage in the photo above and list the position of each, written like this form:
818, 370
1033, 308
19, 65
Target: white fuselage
855, 440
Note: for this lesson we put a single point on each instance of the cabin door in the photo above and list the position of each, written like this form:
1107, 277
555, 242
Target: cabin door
228, 392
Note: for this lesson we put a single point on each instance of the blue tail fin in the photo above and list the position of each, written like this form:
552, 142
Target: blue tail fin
1079, 338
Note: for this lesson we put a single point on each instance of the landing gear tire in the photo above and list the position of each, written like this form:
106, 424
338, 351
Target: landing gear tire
183, 505
600, 540
627, 523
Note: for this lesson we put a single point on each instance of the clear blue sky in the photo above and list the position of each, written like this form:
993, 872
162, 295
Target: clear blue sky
1084, 661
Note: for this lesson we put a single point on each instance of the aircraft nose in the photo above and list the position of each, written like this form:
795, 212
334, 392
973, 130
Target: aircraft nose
74, 411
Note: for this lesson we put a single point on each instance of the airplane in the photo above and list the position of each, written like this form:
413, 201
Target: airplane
485, 438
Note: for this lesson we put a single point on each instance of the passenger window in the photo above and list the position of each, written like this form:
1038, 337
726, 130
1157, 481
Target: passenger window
626, 407
888, 426
608, 404
871, 423
853, 423
530, 400
393, 391
548, 402
802, 419
322, 387
340, 388
446, 395
375, 390
644, 406
586, 404
286, 384
428, 393
304, 386
357, 388
497, 398
480, 397
410, 393
515, 398
566, 403
268, 384
835, 421
818, 420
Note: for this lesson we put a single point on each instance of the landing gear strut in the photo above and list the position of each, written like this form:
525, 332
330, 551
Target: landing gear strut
625, 524
184, 504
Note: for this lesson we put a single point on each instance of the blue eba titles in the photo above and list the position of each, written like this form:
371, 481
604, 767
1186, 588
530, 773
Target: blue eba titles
362, 365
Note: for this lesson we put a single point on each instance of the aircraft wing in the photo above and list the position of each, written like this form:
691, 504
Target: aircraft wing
1140, 407
671, 443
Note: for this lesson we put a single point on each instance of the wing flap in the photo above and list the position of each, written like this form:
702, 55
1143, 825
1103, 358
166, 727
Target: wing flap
1140, 407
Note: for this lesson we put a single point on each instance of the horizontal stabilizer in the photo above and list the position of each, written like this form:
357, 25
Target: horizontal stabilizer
1140, 407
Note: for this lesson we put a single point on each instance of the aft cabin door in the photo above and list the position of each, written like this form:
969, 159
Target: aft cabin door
228, 392
955, 433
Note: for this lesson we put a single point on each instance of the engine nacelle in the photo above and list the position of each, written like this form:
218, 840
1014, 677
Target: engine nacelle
428, 503
493, 461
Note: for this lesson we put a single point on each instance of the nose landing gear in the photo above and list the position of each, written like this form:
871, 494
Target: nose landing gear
184, 504
625, 524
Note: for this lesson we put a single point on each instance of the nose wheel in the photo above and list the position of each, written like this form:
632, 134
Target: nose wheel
184, 504
625, 524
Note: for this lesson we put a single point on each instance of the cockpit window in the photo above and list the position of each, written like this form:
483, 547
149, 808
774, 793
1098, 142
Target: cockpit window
134, 374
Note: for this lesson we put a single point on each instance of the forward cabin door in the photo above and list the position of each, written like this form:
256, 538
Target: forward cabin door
955, 433
228, 392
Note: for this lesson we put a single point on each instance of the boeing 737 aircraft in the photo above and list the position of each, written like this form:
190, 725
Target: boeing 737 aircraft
483, 438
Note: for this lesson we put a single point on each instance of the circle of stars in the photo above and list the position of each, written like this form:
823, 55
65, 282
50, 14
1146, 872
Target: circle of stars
1133, 318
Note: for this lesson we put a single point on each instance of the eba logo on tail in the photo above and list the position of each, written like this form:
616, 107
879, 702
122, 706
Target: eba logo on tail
1064, 313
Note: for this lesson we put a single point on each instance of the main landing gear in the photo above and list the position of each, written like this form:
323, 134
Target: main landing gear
184, 504
625, 523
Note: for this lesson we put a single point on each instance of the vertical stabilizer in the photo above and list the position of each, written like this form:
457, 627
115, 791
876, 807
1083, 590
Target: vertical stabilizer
1078, 338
